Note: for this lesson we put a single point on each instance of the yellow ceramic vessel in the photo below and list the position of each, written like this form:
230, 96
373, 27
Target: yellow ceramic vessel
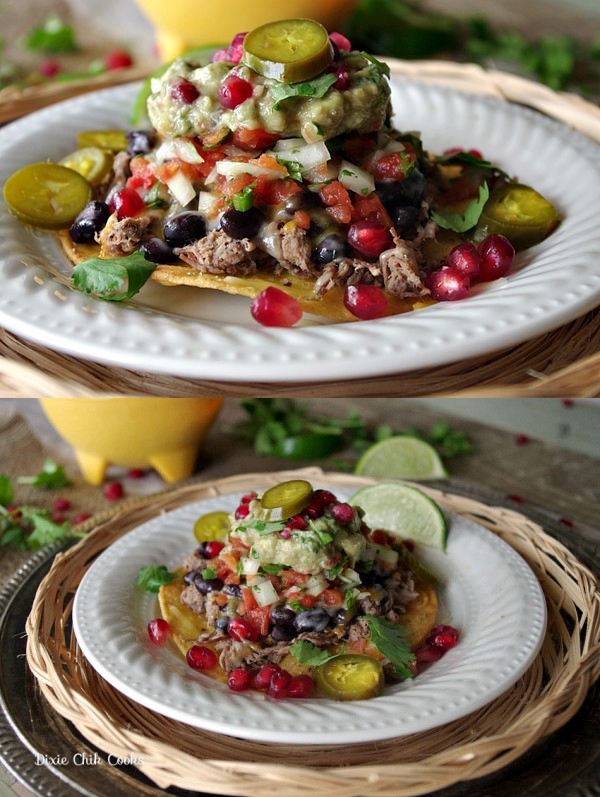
183, 24
165, 434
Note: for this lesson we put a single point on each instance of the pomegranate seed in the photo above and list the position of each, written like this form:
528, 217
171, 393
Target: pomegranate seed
185, 92
233, 91
314, 510
343, 78
126, 202
369, 238
58, 517
521, 439
300, 686
324, 497
245, 499
567, 403
448, 284
344, 513
262, 679
61, 504
566, 522
428, 654
365, 301
201, 658
409, 544
465, 258
286, 533
213, 548
119, 59
113, 491
517, 499
279, 685
232, 54
50, 67
158, 631
275, 308
81, 518
242, 511
475, 153
340, 41
297, 522
497, 255
14, 511
136, 473
241, 630
443, 641
239, 680
445, 629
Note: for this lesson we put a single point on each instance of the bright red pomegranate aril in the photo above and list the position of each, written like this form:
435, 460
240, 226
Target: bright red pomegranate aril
213, 548
300, 686
245, 499
232, 54
448, 284
185, 92
262, 679
126, 202
280, 683
119, 59
443, 641
136, 473
286, 533
465, 258
158, 631
427, 654
314, 510
61, 504
365, 301
340, 41
233, 91
409, 544
497, 256
113, 491
324, 497
343, 513
343, 78
521, 439
200, 657
81, 518
275, 308
239, 680
50, 67
297, 522
242, 630
475, 153
242, 511
369, 238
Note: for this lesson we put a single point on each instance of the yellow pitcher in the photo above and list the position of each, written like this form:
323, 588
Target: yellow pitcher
165, 434
183, 24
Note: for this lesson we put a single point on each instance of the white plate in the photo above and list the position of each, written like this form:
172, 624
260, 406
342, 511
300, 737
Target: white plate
205, 334
488, 592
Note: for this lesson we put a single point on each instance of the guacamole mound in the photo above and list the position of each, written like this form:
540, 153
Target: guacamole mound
362, 108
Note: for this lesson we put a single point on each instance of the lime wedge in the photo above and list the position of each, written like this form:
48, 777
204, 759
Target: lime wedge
403, 511
401, 457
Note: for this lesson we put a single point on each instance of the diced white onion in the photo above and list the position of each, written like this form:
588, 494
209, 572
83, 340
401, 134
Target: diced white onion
178, 148
289, 143
355, 179
318, 174
390, 147
233, 168
307, 155
207, 203
249, 566
388, 555
370, 553
316, 584
181, 188
350, 576
265, 593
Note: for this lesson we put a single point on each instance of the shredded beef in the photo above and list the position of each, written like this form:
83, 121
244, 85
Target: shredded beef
400, 587
358, 630
348, 271
194, 599
123, 236
400, 270
218, 253
194, 562
233, 654
296, 254
212, 609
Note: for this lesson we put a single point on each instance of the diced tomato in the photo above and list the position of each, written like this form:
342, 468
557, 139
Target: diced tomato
248, 600
229, 188
252, 140
222, 568
238, 546
308, 601
142, 174
259, 619
302, 219
292, 577
275, 580
231, 560
370, 208
216, 137
393, 166
232, 578
331, 596
338, 202
194, 171
273, 192
269, 162
356, 645
220, 599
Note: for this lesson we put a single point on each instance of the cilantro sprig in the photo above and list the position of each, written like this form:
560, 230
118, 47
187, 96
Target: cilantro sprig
152, 577
391, 641
461, 222
307, 653
113, 279
53, 37
316, 88
51, 477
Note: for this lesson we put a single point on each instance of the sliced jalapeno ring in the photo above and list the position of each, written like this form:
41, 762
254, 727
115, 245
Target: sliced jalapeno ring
92, 163
290, 497
310, 445
113, 140
520, 213
212, 526
288, 50
350, 676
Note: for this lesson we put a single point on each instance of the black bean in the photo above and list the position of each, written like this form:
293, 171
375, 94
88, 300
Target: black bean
241, 223
206, 585
233, 590
184, 229
157, 251
302, 200
189, 577
139, 142
283, 632
341, 616
394, 193
222, 624
91, 220
315, 620
332, 246
282, 614
201, 549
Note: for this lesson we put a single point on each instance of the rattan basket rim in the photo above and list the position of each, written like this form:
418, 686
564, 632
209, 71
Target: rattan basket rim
547, 696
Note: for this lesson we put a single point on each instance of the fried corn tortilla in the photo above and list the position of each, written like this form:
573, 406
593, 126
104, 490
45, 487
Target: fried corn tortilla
329, 306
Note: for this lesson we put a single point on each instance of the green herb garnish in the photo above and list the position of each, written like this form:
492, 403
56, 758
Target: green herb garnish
461, 222
209, 572
272, 570
152, 578
6, 490
244, 199
293, 167
318, 87
391, 641
307, 653
33, 529
51, 477
264, 527
337, 569
382, 67
113, 279
297, 606
53, 37
156, 197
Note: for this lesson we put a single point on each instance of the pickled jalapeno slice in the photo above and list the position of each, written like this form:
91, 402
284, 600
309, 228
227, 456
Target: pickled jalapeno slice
289, 50
93, 163
113, 140
212, 526
290, 497
520, 213
351, 676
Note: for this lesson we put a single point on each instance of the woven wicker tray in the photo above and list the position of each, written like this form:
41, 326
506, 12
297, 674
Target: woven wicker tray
565, 362
543, 700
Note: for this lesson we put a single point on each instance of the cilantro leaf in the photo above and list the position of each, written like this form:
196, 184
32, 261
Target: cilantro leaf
54, 37
14, 535
322, 536
244, 199
382, 67
209, 572
318, 87
6, 490
293, 167
297, 606
152, 578
461, 222
307, 653
264, 527
113, 279
45, 531
469, 160
51, 477
391, 641
156, 196
273, 570
337, 569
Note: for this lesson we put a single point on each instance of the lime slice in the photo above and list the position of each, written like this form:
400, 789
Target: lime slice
401, 458
288, 50
404, 511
